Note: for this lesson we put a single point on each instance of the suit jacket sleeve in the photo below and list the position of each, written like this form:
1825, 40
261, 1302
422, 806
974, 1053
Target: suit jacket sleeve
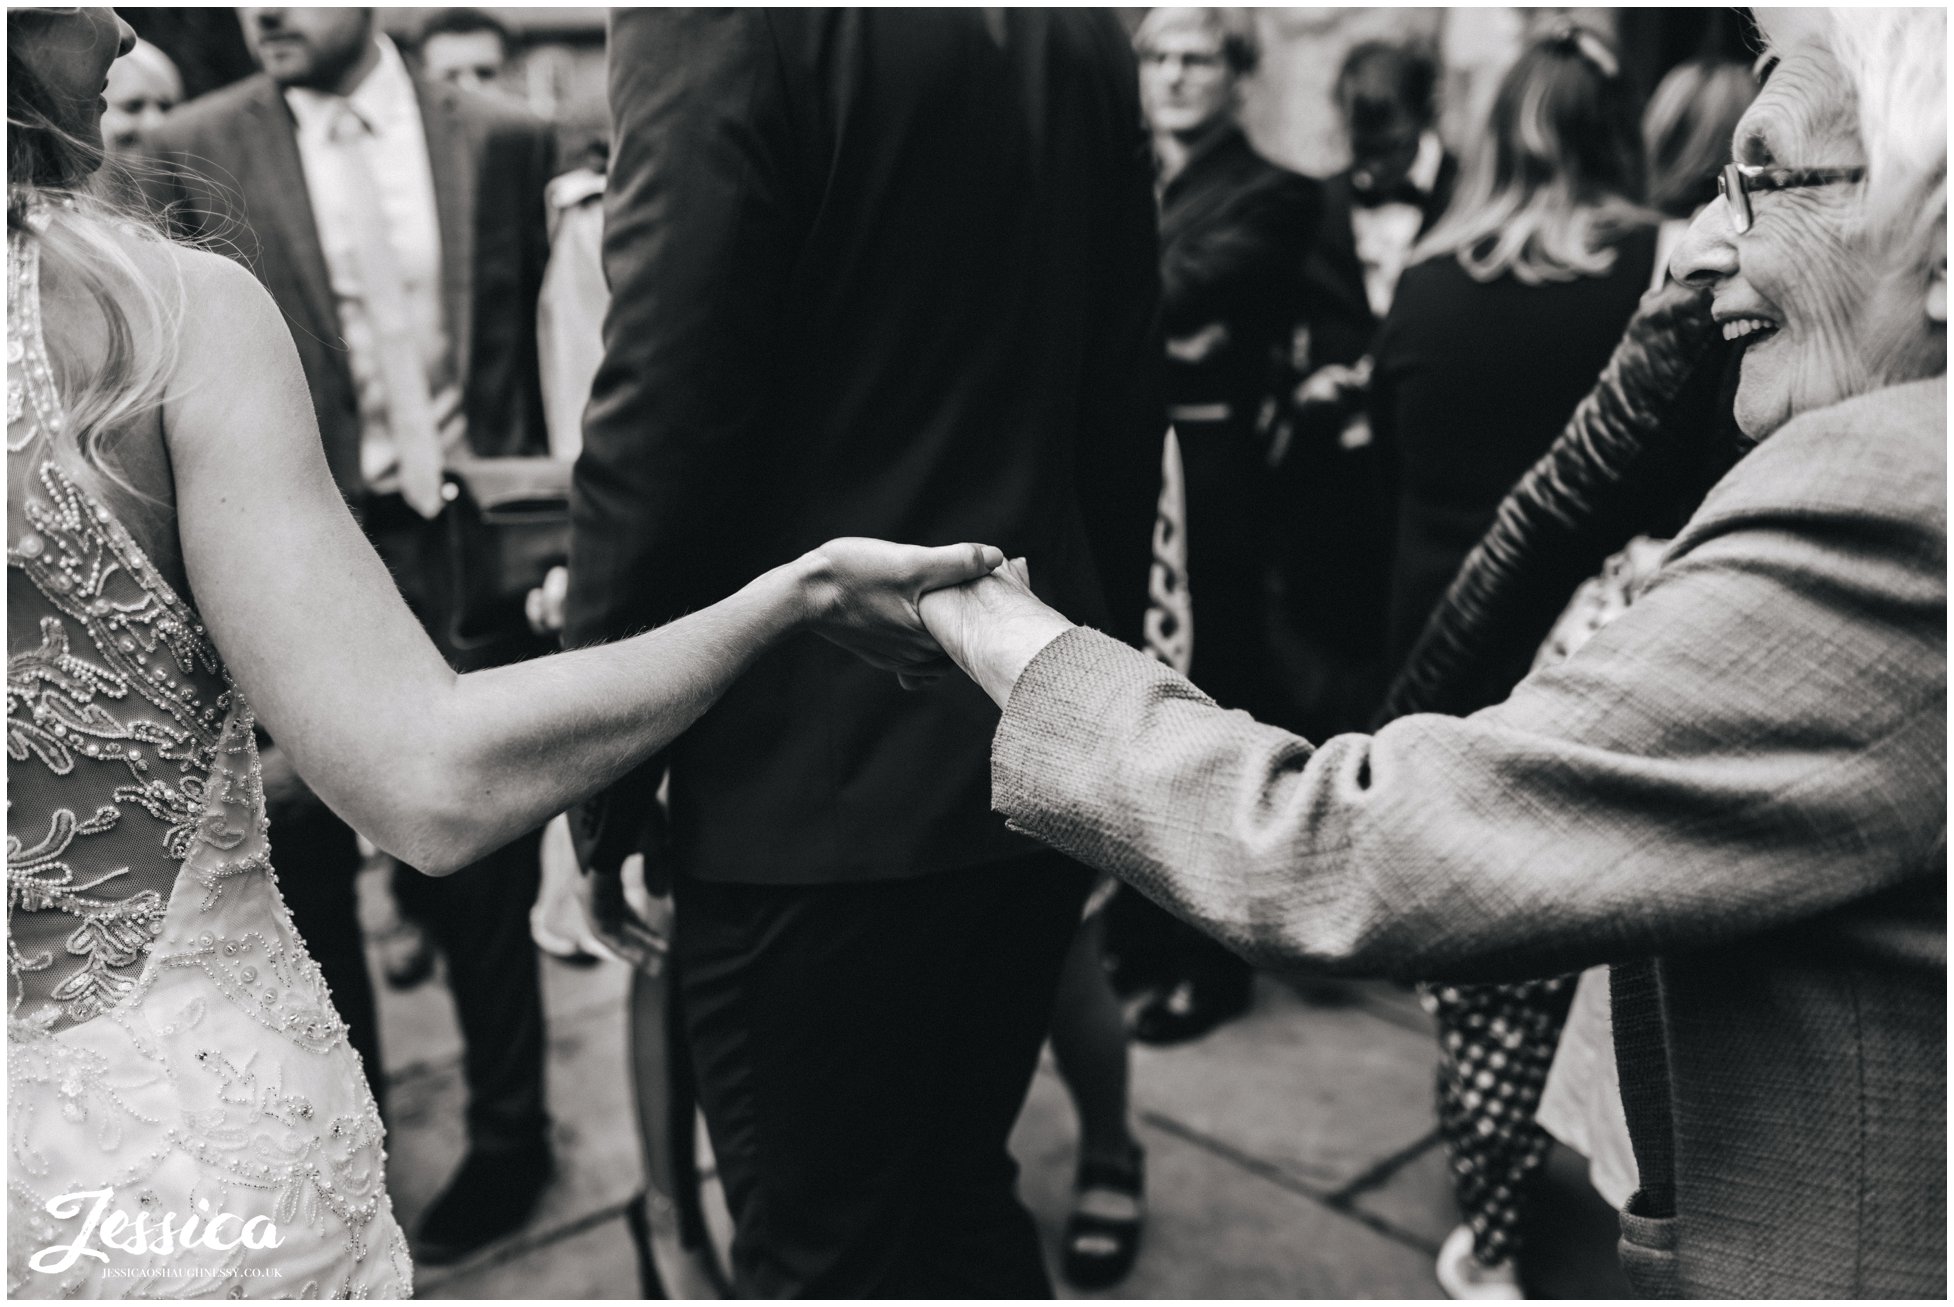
699, 242
1123, 431
1759, 739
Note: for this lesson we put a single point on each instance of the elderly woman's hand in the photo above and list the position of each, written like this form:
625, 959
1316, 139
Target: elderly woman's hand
993, 627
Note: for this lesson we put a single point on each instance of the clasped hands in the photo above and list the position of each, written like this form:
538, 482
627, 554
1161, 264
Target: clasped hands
909, 609
920, 611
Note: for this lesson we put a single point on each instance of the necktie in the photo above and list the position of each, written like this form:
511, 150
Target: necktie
403, 377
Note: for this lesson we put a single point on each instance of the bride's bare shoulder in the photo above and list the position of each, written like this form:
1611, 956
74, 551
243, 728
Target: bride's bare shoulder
224, 321
209, 288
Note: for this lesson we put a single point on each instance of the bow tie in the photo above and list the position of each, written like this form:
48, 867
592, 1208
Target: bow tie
1368, 196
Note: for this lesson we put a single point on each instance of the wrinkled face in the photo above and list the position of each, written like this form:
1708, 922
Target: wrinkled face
470, 59
315, 48
1186, 85
71, 54
1817, 314
138, 95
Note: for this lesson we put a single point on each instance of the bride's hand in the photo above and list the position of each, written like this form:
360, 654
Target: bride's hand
862, 594
993, 626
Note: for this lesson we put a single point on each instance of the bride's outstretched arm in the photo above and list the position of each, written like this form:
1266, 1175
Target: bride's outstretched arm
435, 767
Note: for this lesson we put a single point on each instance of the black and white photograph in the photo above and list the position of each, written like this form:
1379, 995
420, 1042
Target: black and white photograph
976, 653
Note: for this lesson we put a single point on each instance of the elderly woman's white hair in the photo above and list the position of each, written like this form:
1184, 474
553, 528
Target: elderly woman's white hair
1895, 61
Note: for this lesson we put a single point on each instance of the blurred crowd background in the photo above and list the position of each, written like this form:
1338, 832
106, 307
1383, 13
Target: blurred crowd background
1340, 447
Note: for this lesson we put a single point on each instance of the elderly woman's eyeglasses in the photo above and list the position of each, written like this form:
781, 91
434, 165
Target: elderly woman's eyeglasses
1739, 181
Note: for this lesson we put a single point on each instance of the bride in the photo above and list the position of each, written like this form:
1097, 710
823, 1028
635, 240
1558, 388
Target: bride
185, 1115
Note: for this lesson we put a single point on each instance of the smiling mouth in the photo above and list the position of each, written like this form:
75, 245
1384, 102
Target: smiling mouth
1751, 330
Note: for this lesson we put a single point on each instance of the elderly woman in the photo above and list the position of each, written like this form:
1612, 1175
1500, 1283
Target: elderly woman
1736, 793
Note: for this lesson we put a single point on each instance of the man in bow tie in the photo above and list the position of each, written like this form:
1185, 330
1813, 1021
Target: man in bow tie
400, 227
1399, 181
1333, 552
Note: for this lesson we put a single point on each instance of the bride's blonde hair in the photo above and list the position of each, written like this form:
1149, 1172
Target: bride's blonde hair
59, 197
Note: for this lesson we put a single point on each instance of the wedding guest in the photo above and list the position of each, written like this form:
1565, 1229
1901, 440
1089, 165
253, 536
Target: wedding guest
1400, 179
466, 48
1332, 545
180, 563
1234, 232
143, 86
1686, 132
358, 192
1735, 793
1514, 302
1511, 306
871, 270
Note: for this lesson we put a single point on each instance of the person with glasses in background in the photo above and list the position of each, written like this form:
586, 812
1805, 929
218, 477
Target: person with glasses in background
1235, 231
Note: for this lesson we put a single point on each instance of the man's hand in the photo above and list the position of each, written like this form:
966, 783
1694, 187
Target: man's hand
1336, 385
625, 918
544, 605
993, 627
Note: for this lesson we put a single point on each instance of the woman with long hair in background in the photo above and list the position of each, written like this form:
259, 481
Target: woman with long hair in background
1511, 307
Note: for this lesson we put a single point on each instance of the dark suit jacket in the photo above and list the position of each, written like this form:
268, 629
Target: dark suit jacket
872, 274
1235, 233
1744, 777
1340, 319
232, 176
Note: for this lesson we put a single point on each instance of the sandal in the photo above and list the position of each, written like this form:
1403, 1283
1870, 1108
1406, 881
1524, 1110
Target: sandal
1102, 1236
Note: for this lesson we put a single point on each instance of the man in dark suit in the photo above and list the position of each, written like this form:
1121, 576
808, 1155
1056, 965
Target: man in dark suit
1399, 181
400, 227
1334, 553
881, 272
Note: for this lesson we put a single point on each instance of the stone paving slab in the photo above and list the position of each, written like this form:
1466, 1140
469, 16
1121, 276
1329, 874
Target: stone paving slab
1321, 1088
1213, 1230
1256, 1137
1415, 1197
595, 1262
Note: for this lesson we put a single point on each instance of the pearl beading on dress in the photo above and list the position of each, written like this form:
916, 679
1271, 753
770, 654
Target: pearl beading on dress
192, 1056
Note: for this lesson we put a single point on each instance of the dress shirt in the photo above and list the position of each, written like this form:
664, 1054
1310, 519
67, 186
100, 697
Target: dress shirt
397, 157
1385, 233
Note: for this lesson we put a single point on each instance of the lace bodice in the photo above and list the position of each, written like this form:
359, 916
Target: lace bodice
118, 696
169, 1038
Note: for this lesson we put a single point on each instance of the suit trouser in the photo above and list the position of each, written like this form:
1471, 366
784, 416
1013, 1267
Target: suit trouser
478, 917
318, 861
1226, 559
862, 1053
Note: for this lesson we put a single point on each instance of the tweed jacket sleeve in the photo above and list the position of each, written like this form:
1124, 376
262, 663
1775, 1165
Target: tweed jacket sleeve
1760, 739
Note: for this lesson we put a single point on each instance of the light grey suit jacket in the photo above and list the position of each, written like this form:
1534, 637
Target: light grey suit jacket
1744, 777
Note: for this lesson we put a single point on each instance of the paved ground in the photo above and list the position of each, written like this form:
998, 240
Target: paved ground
1290, 1155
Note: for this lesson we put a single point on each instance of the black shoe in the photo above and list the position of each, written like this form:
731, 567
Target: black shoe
492, 1195
1102, 1236
1189, 1010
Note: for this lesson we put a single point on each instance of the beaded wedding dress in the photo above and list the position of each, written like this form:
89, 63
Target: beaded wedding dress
169, 1040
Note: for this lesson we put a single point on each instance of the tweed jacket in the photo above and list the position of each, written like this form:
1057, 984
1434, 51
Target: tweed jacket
1743, 779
